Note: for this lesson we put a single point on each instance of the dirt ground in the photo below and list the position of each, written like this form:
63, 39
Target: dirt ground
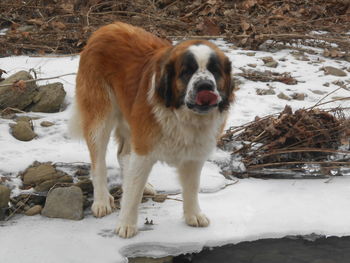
62, 26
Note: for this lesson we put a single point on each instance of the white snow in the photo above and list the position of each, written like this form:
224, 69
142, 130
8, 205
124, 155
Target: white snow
247, 210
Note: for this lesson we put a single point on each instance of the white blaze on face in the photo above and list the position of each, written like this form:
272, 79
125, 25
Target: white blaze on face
202, 55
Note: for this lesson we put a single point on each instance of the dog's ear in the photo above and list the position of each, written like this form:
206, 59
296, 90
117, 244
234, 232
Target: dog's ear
164, 84
228, 76
229, 86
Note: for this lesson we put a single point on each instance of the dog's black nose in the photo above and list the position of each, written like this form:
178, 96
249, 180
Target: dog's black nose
204, 85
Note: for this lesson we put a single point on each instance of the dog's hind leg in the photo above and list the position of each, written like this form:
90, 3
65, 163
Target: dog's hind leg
97, 141
96, 118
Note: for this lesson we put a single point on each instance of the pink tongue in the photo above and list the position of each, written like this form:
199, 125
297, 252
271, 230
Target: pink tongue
206, 97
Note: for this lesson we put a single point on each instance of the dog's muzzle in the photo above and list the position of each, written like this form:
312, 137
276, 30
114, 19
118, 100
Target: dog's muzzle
204, 96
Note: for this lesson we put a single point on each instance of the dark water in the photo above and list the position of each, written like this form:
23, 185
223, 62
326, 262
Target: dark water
309, 249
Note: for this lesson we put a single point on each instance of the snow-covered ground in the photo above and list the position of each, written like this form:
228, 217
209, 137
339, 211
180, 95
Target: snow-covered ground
248, 210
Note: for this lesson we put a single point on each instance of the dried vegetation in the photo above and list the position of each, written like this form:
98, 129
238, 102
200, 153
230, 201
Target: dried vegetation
289, 142
62, 26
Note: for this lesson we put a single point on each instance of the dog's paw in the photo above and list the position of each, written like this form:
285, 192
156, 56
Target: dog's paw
197, 220
103, 206
126, 231
149, 190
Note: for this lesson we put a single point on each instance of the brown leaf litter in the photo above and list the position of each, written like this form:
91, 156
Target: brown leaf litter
63, 26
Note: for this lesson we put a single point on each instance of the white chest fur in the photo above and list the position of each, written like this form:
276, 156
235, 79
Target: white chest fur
186, 135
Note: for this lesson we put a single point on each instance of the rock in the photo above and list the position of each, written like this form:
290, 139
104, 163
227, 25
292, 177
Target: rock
334, 71
272, 64
85, 185
283, 96
24, 118
269, 91
319, 92
250, 54
64, 202
17, 97
326, 84
4, 196
46, 185
49, 98
82, 172
159, 198
34, 210
3, 213
23, 131
40, 173
252, 65
298, 96
267, 59
46, 124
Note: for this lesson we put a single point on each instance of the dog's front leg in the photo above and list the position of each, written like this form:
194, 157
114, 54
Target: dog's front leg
189, 173
134, 181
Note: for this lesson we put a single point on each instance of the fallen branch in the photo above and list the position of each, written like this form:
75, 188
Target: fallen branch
35, 80
258, 166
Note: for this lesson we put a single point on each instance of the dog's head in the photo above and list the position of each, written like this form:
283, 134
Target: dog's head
197, 75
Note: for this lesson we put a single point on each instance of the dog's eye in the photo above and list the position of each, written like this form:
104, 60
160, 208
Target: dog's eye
213, 68
187, 71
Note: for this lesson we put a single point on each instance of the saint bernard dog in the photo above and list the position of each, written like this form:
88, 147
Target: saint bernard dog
163, 102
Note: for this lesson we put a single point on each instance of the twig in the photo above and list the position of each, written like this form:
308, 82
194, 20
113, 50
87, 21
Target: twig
295, 162
330, 101
12, 109
140, 14
317, 103
54, 56
35, 80
304, 150
14, 211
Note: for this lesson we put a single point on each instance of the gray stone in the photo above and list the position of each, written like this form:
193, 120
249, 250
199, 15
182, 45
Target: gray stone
34, 210
250, 54
24, 118
64, 202
23, 131
283, 96
49, 98
4, 196
265, 91
160, 198
252, 65
38, 174
299, 96
272, 64
319, 92
46, 185
3, 213
46, 124
85, 185
334, 71
267, 59
19, 96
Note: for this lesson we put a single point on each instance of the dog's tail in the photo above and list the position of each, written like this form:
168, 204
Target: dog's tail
75, 122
